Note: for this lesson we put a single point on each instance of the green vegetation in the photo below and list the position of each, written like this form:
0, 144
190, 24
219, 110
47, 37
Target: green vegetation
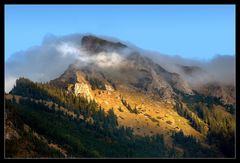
120, 109
96, 84
128, 106
97, 133
203, 110
27, 143
195, 121
112, 83
151, 118
191, 146
221, 130
101, 137
209, 101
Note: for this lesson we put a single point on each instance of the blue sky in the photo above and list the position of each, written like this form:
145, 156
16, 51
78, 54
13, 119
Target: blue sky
191, 31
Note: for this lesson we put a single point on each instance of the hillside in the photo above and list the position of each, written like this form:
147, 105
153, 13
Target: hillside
135, 108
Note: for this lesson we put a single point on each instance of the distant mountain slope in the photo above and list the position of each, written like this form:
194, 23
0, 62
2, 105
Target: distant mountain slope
226, 92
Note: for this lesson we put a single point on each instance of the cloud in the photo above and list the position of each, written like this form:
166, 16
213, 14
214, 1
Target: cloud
220, 69
108, 60
9, 83
39, 63
223, 68
102, 59
50, 59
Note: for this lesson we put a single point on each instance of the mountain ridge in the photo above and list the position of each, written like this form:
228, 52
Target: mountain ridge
134, 102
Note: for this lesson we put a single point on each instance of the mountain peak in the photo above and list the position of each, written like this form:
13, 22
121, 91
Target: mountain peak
95, 44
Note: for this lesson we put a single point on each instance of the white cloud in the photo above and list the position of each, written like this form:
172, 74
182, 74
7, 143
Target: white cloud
9, 83
68, 49
49, 60
102, 59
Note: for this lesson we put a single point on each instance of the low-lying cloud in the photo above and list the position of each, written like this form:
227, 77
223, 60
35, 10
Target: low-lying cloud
102, 59
220, 69
49, 60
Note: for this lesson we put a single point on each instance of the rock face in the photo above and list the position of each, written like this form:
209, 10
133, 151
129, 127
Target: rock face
153, 78
67, 78
82, 89
95, 45
227, 93
73, 80
178, 83
108, 87
10, 131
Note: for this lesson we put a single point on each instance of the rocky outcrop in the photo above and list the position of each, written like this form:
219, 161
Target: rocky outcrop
10, 131
178, 83
94, 45
154, 78
82, 89
108, 88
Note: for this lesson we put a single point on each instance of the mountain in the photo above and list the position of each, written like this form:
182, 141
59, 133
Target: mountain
96, 45
132, 108
226, 92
